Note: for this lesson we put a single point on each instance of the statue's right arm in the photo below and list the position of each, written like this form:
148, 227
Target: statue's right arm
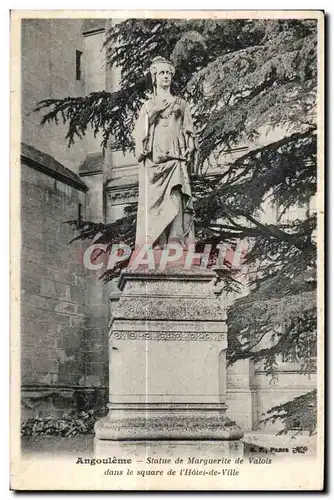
152, 116
140, 133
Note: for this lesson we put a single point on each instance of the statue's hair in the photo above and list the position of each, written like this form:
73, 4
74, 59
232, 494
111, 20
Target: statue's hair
159, 60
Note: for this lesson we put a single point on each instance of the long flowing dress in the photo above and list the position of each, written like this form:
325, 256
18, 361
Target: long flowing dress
165, 208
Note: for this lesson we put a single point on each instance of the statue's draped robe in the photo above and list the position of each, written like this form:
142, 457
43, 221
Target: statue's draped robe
165, 208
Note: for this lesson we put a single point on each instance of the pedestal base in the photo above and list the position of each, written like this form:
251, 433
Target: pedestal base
172, 421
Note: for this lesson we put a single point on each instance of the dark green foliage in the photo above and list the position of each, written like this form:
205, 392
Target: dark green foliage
298, 415
252, 85
67, 426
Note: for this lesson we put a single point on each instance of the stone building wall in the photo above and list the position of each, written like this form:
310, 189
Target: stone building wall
48, 70
63, 331
268, 393
64, 307
52, 283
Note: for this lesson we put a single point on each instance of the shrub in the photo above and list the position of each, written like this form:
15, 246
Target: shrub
66, 426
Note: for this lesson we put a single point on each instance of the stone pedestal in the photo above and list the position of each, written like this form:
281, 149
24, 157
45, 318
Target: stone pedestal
167, 366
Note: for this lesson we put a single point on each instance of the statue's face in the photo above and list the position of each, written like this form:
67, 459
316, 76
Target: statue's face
164, 76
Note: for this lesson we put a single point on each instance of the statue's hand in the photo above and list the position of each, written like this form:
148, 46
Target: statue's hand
159, 107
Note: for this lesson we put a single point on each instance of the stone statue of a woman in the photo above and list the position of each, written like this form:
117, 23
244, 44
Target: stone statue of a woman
165, 147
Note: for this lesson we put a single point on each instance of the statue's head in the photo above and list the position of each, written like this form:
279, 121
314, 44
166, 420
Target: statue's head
162, 72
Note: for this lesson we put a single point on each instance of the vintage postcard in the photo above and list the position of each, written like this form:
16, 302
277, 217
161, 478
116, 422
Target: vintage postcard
167, 218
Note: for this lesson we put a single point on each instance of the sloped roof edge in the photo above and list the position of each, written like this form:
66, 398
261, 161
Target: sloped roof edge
50, 166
